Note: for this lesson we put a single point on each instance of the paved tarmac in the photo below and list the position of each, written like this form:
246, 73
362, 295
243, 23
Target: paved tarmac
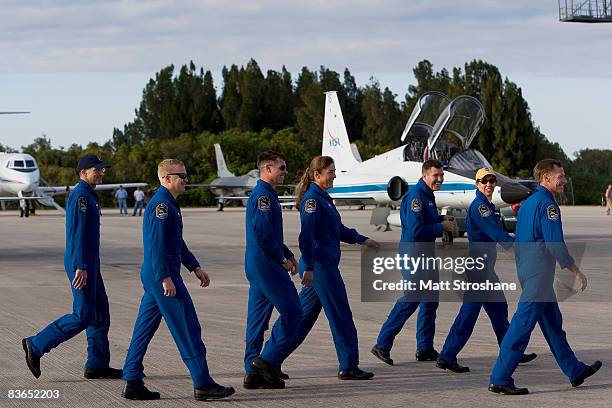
34, 291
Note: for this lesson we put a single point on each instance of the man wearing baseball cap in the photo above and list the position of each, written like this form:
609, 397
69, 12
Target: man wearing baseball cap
82, 263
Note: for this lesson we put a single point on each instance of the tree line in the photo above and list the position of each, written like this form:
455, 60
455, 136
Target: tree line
181, 115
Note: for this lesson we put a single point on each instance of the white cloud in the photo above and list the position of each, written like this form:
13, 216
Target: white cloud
367, 36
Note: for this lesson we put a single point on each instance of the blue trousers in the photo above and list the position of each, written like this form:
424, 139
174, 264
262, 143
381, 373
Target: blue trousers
122, 206
462, 328
139, 205
180, 316
268, 290
402, 310
329, 293
548, 316
90, 313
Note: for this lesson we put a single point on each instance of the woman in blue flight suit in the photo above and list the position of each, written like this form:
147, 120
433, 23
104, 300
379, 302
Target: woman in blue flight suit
319, 240
484, 232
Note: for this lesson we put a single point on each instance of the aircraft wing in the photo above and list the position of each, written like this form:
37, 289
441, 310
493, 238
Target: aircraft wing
52, 190
21, 198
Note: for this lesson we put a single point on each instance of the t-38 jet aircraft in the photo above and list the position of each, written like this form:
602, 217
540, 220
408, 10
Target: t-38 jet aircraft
20, 181
227, 186
438, 128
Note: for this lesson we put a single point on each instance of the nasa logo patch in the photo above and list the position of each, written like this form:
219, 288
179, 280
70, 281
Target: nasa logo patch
161, 211
82, 204
263, 203
310, 206
552, 212
416, 205
484, 210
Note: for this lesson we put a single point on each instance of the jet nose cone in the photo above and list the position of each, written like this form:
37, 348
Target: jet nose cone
514, 193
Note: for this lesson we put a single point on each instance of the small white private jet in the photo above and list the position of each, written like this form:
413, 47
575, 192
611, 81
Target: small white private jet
438, 128
20, 181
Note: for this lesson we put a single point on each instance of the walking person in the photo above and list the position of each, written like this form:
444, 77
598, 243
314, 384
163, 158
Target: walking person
165, 293
267, 264
421, 225
484, 230
539, 246
323, 287
90, 311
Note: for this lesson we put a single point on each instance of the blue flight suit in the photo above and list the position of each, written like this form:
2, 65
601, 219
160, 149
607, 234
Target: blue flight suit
484, 229
164, 252
421, 223
539, 245
90, 304
322, 231
269, 283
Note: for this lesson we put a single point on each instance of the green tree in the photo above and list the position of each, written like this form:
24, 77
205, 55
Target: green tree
252, 85
278, 100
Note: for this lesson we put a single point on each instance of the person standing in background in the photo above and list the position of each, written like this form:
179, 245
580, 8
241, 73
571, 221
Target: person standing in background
139, 198
121, 196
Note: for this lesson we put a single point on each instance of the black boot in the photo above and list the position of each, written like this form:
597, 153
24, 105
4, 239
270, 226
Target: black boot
527, 358
32, 361
454, 367
215, 391
507, 390
136, 390
355, 374
592, 369
268, 372
103, 373
256, 381
382, 355
427, 355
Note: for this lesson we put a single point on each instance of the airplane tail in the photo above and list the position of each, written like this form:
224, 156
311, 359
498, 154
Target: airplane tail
336, 142
222, 170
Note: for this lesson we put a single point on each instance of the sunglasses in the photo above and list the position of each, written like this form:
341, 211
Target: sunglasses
282, 167
490, 180
182, 176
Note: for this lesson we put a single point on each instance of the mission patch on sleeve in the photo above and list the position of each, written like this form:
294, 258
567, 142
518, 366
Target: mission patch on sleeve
310, 206
484, 210
82, 204
263, 203
161, 211
552, 212
416, 205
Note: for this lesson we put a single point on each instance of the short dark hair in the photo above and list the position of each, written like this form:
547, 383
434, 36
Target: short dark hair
428, 164
268, 156
545, 166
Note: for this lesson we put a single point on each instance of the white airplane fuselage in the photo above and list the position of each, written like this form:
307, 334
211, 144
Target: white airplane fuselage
372, 177
19, 174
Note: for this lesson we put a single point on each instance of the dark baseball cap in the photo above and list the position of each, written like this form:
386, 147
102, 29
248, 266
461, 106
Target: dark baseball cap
91, 160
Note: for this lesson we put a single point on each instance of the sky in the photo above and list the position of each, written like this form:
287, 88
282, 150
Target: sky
80, 67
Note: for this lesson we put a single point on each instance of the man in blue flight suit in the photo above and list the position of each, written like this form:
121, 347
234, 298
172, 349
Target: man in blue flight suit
323, 287
82, 263
484, 230
539, 245
165, 293
267, 261
421, 225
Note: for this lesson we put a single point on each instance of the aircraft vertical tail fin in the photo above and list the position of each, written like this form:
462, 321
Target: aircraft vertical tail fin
356, 153
336, 142
222, 170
